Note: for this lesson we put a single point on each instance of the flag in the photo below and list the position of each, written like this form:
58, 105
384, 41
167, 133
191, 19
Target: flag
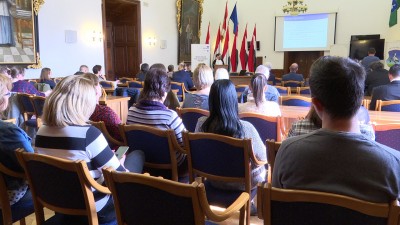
252, 53
208, 34
226, 43
217, 42
225, 17
393, 12
243, 54
234, 56
234, 18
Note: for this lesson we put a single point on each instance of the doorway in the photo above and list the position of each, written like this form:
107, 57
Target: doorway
122, 32
303, 59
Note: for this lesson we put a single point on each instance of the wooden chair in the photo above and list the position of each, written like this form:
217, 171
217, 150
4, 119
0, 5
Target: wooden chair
107, 84
392, 105
27, 110
16, 212
268, 127
102, 127
159, 146
142, 199
38, 105
135, 84
294, 100
301, 207
366, 103
62, 186
388, 134
292, 83
303, 90
283, 90
225, 159
278, 81
272, 150
12, 120
190, 116
181, 90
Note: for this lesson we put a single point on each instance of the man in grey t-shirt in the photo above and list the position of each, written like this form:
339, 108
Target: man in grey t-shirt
337, 158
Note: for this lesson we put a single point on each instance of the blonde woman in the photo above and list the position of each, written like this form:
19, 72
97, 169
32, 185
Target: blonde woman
11, 138
203, 79
66, 134
45, 75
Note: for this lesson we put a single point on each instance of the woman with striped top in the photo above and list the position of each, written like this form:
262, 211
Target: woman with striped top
66, 134
151, 111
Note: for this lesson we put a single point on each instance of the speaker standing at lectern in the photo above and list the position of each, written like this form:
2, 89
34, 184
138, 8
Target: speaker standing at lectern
218, 60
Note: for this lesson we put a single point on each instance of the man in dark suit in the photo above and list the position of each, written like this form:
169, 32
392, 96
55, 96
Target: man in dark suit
389, 91
293, 75
377, 77
183, 76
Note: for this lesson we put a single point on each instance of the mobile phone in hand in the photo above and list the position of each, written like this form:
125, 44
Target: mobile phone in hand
121, 151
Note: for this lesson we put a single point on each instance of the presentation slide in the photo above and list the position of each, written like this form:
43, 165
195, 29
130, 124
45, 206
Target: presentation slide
310, 32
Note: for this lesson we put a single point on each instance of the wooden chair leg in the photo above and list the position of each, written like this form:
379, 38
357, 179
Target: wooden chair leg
22, 221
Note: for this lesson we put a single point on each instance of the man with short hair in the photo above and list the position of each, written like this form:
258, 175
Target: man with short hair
337, 158
293, 75
142, 73
389, 91
82, 70
370, 58
376, 77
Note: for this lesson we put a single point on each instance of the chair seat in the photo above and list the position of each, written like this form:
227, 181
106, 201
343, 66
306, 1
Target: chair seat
222, 197
21, 209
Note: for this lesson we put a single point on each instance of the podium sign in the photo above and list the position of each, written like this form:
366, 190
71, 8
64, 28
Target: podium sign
200, 54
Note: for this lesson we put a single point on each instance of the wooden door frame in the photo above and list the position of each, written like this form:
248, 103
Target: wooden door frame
138, 25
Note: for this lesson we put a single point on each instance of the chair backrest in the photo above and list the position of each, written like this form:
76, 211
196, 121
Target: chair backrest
283, 90
181, 90
268, 127
303, 90
388, 134
38, 105
294, 100
60, 185
392, 105
27, 108
272, 150
135, 84
278, 81
102, 127
125, 79
157, 146
107, 84
366, 103
190, 116
292, 83
301, 207
10, 214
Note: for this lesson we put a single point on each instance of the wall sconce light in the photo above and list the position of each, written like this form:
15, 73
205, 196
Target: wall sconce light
97, 36
151, 41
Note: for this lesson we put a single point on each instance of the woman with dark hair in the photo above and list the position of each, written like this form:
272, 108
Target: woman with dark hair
256, 101
97, 71
45, 77
151, 111
224, 120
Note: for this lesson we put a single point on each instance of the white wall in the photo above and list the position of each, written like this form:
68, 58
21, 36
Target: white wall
56, 16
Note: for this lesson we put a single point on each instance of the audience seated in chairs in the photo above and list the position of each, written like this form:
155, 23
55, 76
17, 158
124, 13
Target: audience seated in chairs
66, 134
293, 75
45, 76
203, 79
256, 101
23, 86
143, 70
12, 138
105, 113
361, 166
389, 91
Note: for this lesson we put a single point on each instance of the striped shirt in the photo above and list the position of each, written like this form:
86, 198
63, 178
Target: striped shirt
79, 143
157, 115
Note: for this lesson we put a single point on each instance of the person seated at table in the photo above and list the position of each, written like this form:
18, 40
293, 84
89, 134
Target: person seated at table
98, 72
45, 75
22, 86
104, 113
66, 134
142, 73
376, 77
82, 70
293, 75
338, 158
182, 76
203, 79
256, 101
312, 122
151, 111
224, 120
390, 91
12, 138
